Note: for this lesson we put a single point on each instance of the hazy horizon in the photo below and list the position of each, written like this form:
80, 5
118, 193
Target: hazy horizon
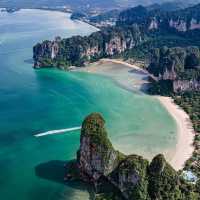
78, 4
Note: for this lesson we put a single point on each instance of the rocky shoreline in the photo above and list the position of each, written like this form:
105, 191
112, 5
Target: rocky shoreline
117, 175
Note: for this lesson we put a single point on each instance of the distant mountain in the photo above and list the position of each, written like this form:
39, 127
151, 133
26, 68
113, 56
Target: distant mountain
170, 6
179, 3
184, 20
73, 4
102, 5
109, 18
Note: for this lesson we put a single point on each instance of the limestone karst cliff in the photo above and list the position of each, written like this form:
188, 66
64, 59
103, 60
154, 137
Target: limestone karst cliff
138, 29
132, 177
79, 50
179, 65
182, 20
96, 157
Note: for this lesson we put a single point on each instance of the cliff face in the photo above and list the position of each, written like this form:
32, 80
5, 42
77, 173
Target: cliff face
43, 53
132, 175
79, 50
168, 186
185, 85
182, 20
96, 157
180, 65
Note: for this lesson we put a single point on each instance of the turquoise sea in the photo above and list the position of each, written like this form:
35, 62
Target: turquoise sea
34, 101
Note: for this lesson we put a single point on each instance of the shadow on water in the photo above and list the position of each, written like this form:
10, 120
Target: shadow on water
135, 71
29, 61
52, 170
55, 171
145, 86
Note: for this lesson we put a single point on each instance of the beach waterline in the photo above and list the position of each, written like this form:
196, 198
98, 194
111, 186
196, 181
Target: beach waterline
135, 79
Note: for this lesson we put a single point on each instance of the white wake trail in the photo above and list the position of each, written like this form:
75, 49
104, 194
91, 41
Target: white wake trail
57, 131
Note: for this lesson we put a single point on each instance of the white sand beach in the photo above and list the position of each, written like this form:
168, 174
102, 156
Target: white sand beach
136, 77
184, 147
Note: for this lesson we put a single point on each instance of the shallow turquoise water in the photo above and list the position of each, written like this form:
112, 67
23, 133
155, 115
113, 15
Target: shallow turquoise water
34, 101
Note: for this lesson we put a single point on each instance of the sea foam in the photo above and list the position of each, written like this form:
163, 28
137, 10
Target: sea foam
57, 131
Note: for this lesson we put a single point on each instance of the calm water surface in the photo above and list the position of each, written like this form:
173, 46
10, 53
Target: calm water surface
36, 101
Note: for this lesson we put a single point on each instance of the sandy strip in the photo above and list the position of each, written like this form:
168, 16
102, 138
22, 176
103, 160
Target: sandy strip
127, 76
184, 147
185, 132
125, 64
97, 66
133, 66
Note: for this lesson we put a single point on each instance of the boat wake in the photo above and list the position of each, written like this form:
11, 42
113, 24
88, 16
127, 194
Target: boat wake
57, 131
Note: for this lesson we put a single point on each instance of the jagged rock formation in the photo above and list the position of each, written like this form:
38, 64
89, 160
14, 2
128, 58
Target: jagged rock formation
168, 186
78, 50
180, 65
182, 20
136, 30
96, 157
185, 85
132, 175
48, 50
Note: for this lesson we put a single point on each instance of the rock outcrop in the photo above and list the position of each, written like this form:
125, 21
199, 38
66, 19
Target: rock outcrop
183, 20
96, 156
132, 176
179, 65
79, 50
164, 182
179, 25
186, 85
43, 54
